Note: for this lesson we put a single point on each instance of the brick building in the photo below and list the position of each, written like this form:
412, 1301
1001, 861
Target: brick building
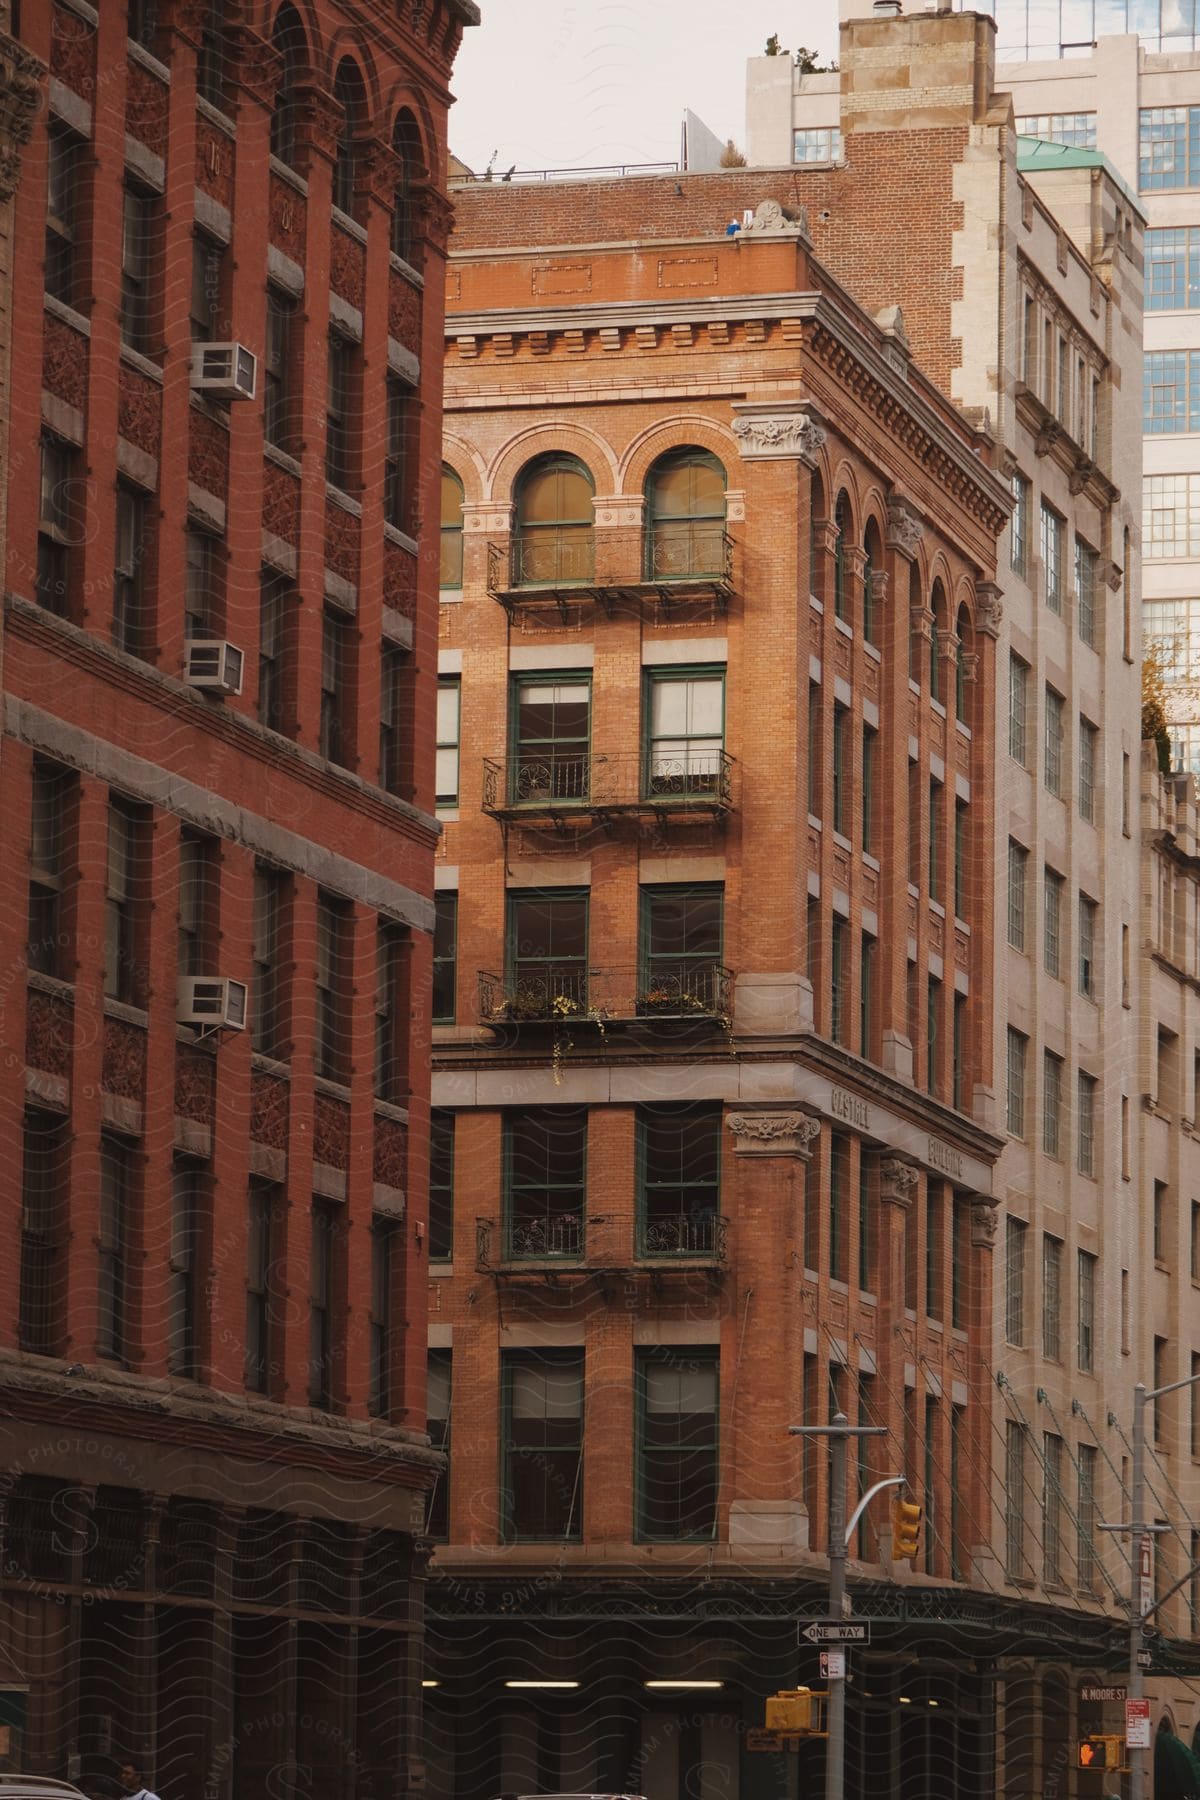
215, 906
712, 1014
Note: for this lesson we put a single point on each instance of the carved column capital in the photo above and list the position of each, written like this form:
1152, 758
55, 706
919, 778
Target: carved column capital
904, 527
777, 429
774, 1133
878, 581
318, 120
898, 1181
377, 170
254, 64
949, 644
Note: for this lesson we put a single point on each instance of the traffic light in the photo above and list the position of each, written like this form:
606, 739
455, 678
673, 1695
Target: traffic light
790, 1711
1097, 1752
906, 1529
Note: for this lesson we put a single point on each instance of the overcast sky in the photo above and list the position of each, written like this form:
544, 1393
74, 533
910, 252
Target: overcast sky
573, 83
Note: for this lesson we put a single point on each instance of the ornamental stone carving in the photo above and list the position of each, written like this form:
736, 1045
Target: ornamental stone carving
400, 580
404, 313
983, 1223
20, 90
281, 503
123, 1059
269, 1110
318, 120
779, 432
989, 608
390, 1161
898, 1181
342, 533
774, 1133
772, 218
139, 410
288, 217
146, 101
377, 170
331, 1132
433, 216
64, 362
347, 268
73, 53
255, 64
904, 528
208, 455
48, 1025
195, 1073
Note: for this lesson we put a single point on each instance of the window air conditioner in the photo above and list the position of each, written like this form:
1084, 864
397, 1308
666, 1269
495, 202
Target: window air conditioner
212, 663
227, 371
212, 1001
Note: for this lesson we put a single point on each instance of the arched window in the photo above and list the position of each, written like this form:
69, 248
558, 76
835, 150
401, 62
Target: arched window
685, 516
288, 39
916, 642
963, 629
210, 64
940, 623
874, 564
841, 520
554, 534
348, 92
406, 143
816, 515
452, 529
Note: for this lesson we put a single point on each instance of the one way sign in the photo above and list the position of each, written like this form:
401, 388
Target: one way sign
835, 1631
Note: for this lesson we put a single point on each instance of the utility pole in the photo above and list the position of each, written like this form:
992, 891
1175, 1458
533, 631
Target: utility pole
838, 1431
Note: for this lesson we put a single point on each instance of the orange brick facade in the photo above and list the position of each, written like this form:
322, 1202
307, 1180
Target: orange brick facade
832, 1047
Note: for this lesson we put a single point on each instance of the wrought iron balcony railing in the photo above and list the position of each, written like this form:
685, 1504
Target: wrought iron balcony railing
700, 1235
695, 990
534, 996
550, 1237
695, 778
671, 559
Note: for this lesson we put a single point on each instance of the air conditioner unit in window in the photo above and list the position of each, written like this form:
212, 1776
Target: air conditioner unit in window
211, 1002
227, 371
212, 663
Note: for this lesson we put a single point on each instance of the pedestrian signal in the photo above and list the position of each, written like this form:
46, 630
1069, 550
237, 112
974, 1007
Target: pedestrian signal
906, 1529
1100, 1752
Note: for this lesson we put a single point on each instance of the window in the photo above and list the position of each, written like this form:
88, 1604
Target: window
685, 718
1085, 1299
62, 210
333, 974
112, 1275
1085, 1132
681, 938
1087, 564
1077, 129
1018, 880
347, 90
1052, 1508
208, 283
1085, 1514
438, 1383
138, 260
934, 870
406, 147
1028, 363
267, 1010
199, 891
817, 144
451, 575
552, 732
1160, 1379
677, 1470
866, 995
1014, 1502
56, 525
288, 39
1168, 147
960, 859
321, 1351
393, 671
1018, 698
1052, 1079
184, 1292
547, 952
441, 1185
445, 935
448, 700
933, 1033
1015, 1084
839, 1213
870, 743
1052, 923
259, 1259
396, 508
128, 583
1194, 1408
339, 373
1055, 734
1088, 912
1052, 558
1170, 516
814, 749
679, 1180
959, 1053
542, 1444
277, 373
273, 627
685, 516
124, 974
1173, 269
200, 592
1170, 392
1016, 1234
866, 1265
44, 1196
1089, 746
391, 964
841, 771
1051, 1298
554, 537
1159, 1217
334, 739
52, 788
934, 1299
211, 61
545, 1158
381, 1350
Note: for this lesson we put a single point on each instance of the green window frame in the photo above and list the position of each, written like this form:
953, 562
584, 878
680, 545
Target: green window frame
551, 742
678, 1180
449, 732
542, 1401
554, 535
439, 1401
681, 941
450, 574
677, 1448
546, 950
685, 516
841, 523
684, 713
441, 1184
545, 1183
445, 957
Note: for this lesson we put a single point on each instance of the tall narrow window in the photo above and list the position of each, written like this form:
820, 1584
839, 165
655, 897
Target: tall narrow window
1018, 697
1088, 916
51, 788
1085, 1517
1089, 745
841, 583
866, 995
211, 63
554, 537
866, 1260
1052, 898
445, 933
321, 1347
335, 744
1085, 1306
390, 962
814, 750
441, 1185
287, 39
200, 584
259, 1258
334, 958
1052, 1507
679, 1181
112, 1272
44, 1212
448, 701
960, 859
681, 941
936, 792
62, 211
393, 670
959, 1051
839, 1204
1159, 1221
438, 1382
347, 89
553, 722
124, 974
677, 1469
841, 770
338, 410
1051, 1298
1018, 525
685, 517
542, 1444
870, 744
451, 573
184, 1291
545, 1157
1055, 734
1014, 1502
934, 1222
933, 1035
1016, 1234
208, 284
128, 574
272, 632
277, 370
1052, 558
1018, 879
839, 978
267, 1011
960, 1264
1052, 1077
384, 1237
546, 971
685, 720
396, 509
406, 147
57, 530
137, 267
199, 888
1086, 588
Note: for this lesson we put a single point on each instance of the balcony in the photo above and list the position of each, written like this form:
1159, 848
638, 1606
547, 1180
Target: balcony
559, 785
676, 563
682, 1237
670, 993
553, 1237
551, 1247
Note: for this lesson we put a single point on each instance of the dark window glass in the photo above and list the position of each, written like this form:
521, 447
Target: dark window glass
441, 1185
396, 459
184, 1291
406, 144
679, 1180
208, 280
62, 215
677, 1468
553, 740
56, 525
137, 266
124, 910
438, 1395
320, 1310
547, 944
263, 1200
200, 592
338, 405
384, 1236
199, 894
451, 574
347, 90
333, 975
211, 62
128, 623
277, 404
44, 1214
268, 1025
543, 1444
273, 628
445, 933
112, 1272
681, 939
545, 1157
335, 742
288, 39
393, 670
390, 973
52, 788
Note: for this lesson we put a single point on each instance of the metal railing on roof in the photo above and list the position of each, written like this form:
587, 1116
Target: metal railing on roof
588, 174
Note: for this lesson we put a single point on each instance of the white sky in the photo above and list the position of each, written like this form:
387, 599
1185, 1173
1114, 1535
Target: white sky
572, 83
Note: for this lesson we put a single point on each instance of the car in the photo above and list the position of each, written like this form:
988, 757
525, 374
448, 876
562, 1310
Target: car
14, 1786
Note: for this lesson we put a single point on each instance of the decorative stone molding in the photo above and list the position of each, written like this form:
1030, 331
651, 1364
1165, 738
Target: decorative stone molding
255, 64
949, 644
970, 666
984, 1218
878, 582
21, 77
989, 608
772, 219
493, 516
920, 622
1113, 576
774, 1133
904, 528
433, 216
377, 170
619, 509
898, 1181
319, 120
776, 430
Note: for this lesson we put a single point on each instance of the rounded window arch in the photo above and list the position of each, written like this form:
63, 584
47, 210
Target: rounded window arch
349, 93
406, 146
452, 529
841, 592
554, 538
685, 515
288, 39
873, 547
816, 518
941, 620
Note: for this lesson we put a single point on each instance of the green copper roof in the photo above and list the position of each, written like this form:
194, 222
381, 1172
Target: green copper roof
1039, 153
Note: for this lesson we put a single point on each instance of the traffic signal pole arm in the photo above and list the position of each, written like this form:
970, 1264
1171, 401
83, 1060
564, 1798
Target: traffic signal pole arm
860, 1509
